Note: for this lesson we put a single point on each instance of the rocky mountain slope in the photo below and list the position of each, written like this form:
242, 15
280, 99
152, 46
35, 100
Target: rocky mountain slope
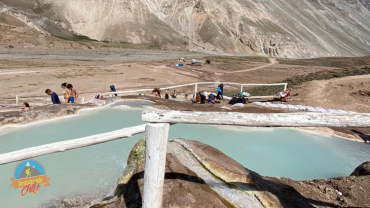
279, 28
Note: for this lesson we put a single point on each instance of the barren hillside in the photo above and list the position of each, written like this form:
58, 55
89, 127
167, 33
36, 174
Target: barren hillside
279, 28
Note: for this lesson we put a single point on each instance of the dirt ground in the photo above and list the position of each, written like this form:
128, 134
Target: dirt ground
94, 71
85, 71
28, 73
347, 93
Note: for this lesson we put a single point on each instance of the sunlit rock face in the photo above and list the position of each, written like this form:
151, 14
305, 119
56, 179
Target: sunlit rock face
279, 28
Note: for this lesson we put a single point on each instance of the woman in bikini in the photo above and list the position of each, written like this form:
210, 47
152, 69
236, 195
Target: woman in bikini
66, 92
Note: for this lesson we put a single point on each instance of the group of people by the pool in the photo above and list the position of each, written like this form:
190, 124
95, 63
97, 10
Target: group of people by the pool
199, 97
213, 98
210, 98
70, 94
157, 93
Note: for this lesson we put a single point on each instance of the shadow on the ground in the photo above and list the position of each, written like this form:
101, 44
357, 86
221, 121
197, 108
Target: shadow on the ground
131, 191
287, 195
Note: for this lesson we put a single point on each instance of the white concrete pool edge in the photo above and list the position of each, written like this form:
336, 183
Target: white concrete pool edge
11, 127
324, 133
300, 129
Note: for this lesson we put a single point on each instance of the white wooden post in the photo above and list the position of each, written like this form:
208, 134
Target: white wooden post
16, 100
83, 100
155, 161
285, 86
195, 90
241, 88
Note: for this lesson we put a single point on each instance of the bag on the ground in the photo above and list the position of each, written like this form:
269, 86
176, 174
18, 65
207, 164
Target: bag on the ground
243, 100
232, 101
202, 98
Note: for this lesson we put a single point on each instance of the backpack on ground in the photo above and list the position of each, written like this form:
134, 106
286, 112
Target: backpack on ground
202, 98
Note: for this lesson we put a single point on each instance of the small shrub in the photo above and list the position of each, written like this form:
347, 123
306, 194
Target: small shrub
208, 61
11, 46
296, 94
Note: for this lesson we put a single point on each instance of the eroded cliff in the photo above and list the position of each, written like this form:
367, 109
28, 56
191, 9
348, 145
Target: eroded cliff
279, 28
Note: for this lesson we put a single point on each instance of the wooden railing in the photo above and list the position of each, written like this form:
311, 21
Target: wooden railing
203, 83
69, 144
187, 85
157, 135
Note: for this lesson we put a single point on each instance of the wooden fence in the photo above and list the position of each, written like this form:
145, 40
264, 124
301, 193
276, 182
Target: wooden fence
285, 85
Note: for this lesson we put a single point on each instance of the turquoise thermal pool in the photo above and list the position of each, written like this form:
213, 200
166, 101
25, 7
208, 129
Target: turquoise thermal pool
93, 171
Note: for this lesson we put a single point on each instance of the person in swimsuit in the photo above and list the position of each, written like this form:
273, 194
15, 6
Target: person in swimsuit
25, 107
174, 94
66, 92
157, 92
285, 95
73, 93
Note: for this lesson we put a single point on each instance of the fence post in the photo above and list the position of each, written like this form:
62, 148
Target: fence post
83, 100
241, 88
195, 90
155, 161
285, 87
16, 100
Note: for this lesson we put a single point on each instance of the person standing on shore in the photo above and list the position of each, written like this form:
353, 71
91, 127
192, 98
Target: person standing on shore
54, 96
66, 92
220, 92
73, 93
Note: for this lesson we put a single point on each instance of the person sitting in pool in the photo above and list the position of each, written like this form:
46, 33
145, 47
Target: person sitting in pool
73, 93
285, 95
66, 92
157, 92
186, 97
98, 96
197, 98
25, 107
54, 96
174, 94
98, 100
166, 96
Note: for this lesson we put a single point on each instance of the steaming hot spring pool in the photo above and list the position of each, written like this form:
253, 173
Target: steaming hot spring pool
94, 170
